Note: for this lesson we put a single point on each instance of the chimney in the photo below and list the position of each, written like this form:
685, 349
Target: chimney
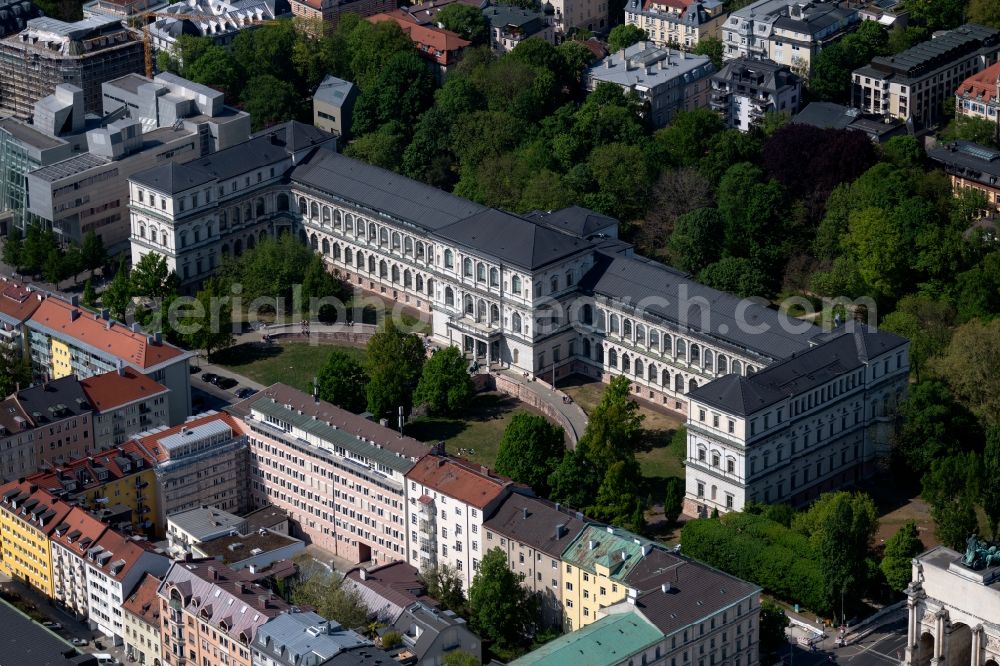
664, 588
559, 530
646, 549
591, 544
74, 300
214, 572
363, 574
524, 513
135, 327
624, 555
74, 314
262, 599
484, 470
611, 530
105, 314
316, 390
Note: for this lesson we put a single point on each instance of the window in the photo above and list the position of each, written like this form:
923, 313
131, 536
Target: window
449, 259
467, 267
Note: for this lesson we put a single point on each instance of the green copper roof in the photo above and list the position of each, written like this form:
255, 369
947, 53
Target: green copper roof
610, 640
607, 551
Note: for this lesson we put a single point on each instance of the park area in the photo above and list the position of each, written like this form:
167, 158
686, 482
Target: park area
292, 363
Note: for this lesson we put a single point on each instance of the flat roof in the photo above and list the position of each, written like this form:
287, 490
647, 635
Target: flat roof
23, 641
242, 546
27, 134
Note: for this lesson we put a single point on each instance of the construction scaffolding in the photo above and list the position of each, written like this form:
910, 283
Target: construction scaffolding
49, 52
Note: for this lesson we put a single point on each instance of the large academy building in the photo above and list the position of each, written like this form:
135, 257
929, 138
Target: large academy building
546, 294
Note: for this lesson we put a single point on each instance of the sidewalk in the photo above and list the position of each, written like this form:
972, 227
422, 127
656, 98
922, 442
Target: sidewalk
571, 413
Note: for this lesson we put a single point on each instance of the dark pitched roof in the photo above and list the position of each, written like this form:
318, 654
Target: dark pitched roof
54, 400
171, 178
381, 190
512, 239
22, 641
970, 160
534, 522
574, 220
693, 591
667, 293
826, 115
295, 136
838, 352
362, 656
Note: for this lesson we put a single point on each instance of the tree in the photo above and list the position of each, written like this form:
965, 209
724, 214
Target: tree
89, 295
625, 35
13, 248
675, 192
217, 68
926, 323
773, 622
459, 658
342, 382
951, 487
751, 206
390, 640
209, 324
53, 269
445, 385
332, 599
393, 364
270, 100
970, 364
15, 369
933, 425
711, 47
618, 501
444, 583
900, 549
118, 295
403, 89
686, 138
151, 278
936, 14
971, 128
694, 243
467, 21
673, 502
93, 252
989, 494
502, 610
623, 178
574, 481
614, 427
530, 450
736, 275
383, 148
728, 148
984, 12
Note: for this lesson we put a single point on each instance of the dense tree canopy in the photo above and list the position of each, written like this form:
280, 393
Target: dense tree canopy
502, 610
445, 385
900, 549
530, 450
625, 34
341, 380
393, 364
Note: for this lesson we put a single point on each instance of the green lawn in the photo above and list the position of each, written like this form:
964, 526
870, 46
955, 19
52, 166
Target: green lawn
479, 429
294, 363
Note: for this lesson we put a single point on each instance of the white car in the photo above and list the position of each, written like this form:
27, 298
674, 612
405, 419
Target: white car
105, 659
80, 642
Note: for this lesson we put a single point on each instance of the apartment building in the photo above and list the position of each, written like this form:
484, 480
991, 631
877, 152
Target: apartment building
217, 20
49, 52
186, 529
17, 304
211, 614
745, 90
142, 623
17, 448
214, 207
915, 84
789, 34
438, 47
28, 515
595, 567
510, 25
71, 540
125, 403
297, 639
668, 80
333, 106
64, 339
676, 612
533, 533
146, 122
339, 476
447, 502
117, 485
323, 16
978, 97
676, 23
971, 166
200, 463
810, 424
59, 422
388, 589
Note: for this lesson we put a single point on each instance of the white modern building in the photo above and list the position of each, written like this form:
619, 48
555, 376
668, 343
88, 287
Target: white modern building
218, 20
745, 90
812, 423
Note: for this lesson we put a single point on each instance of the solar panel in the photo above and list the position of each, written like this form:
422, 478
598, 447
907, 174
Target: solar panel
981, 152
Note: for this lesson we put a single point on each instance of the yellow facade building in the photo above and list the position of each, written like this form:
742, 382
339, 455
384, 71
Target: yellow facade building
62, 364
595, 567
28, 515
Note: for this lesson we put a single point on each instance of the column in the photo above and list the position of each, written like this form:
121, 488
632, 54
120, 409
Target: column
939, 637
977, 646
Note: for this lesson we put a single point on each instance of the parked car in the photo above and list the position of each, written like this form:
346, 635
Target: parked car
209, 377
225, 383
195, 369
54, 626
80, 642
245, 393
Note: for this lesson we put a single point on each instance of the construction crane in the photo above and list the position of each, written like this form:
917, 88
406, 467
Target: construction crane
146, 18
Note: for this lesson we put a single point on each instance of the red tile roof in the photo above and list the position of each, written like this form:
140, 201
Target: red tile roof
680, 5
16, 301
83, 471
144, 603
106, 336
459, 479
112, 389
78, 531
124, 553
981, 86
151, 442
438, 41
33, 505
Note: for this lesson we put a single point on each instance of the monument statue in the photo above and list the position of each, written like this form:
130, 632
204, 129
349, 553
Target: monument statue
980, 555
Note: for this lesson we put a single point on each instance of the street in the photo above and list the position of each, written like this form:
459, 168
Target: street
881, 647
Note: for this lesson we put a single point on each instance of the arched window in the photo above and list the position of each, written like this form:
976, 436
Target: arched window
327, 215
494, 277
494, 314
554, 283
397, 240
248, 212
651, 373
692, 385
569, 278
515, 284
467, 267
420, 251
681, 349
654, 338
640, 334
481, 311
251, 241
282, 202
751, 370
449, 259
313, 242
371, 263
314, 210
303, 207
348, 224
481, 271
383, 236
222, 219
737, 367
407, 278
626, 328
516, 355
665, 379
449, 297
678, 383
338, 220
695, 358
326, 246
236, 213
668, 345
395, 274
163, 240
601, 321
336, 251
722, 366
407, 246
348, 255
361, 260
430, 285
260, 207
372, 234
586, 348
615, 323
709, 360
613, 357
468, 306
626, 363
515, 322
588, 314
142, 231
639, 368
184, 239
383, 269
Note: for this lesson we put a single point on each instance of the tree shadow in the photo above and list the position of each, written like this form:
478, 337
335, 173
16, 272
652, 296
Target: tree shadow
245, 354
435, 430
